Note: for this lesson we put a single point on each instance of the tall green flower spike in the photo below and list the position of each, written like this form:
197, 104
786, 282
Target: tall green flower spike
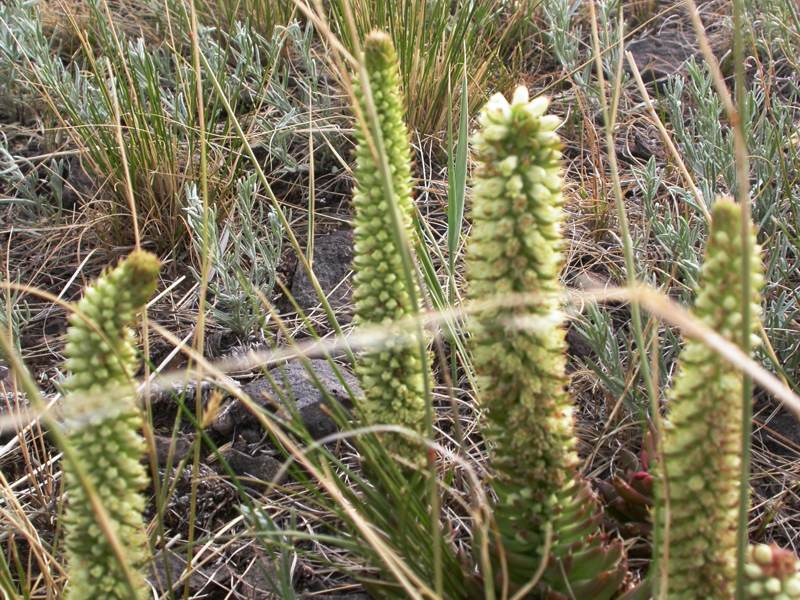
702, 438
392, 377
514, 255
103, 422
515, 248
772, 573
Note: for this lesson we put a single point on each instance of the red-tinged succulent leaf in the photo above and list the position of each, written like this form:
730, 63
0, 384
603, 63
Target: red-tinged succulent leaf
642, 482
599, 557
648, 450
630, 494
629, 499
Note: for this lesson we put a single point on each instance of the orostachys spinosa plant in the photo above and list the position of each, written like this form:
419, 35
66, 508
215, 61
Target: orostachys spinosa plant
513, 265
392, 375
772, 573
702, 442
102, 422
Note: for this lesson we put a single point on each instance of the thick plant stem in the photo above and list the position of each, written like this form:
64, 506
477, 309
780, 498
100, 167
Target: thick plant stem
394, 377
703, 436
102, 423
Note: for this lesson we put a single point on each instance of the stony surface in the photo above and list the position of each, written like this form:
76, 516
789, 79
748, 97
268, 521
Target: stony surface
295, 384
667, 43
182, 446
217, 499
783, 427
257, 466
333, 253
660, 56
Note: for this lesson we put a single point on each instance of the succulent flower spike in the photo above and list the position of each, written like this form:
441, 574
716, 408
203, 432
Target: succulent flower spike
515, 248
772, 573
514, 257
702, 438
103, 422
393, 376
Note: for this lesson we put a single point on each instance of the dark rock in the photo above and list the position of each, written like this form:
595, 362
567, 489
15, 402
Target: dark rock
663, 49
577, 346
251, 435
295, 384
182, 447
262, 467
333, 254
217, 499
782, 431
77, 185
660, 56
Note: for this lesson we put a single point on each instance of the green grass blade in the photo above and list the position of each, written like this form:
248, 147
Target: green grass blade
457, 183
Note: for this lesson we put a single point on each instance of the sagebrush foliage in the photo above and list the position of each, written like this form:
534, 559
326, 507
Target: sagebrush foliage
103, 422
703, 435
393, 376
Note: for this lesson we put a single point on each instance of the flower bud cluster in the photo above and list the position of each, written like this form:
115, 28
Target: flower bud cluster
702, 438
773, 573
392, 376
513, 264
103, 424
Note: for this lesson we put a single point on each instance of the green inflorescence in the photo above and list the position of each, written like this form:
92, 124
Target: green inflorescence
519, 351
393, 376
514, 260
772, 573
702, 438
103, 423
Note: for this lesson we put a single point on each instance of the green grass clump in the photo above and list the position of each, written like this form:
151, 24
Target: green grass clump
393, 376
436, 43
134, 106
703, 436
103, 422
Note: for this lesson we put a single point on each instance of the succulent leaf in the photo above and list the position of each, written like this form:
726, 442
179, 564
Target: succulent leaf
583, 562
393, 376
103, 422
519, 354
702, 438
